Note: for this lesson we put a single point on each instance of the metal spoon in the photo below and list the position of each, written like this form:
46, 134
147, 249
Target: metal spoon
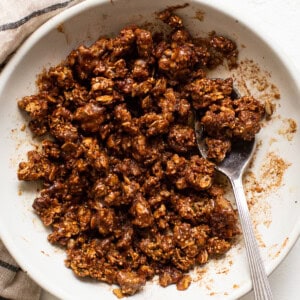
233, 166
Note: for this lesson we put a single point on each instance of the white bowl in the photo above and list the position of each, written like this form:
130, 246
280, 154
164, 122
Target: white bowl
275, 211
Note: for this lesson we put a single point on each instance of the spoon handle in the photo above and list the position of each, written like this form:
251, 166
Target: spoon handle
261, 286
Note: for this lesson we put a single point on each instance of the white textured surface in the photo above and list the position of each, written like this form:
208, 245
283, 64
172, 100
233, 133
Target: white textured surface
280, 20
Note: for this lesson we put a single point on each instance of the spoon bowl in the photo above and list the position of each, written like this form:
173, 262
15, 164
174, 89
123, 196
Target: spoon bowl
233, 167
236, 160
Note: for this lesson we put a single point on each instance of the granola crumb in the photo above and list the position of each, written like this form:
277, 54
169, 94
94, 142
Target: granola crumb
288, 128
200, 14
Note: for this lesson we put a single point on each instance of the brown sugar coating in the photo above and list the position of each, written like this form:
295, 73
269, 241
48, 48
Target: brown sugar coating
125, 190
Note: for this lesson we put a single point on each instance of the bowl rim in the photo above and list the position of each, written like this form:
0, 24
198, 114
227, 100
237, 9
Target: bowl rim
221, 7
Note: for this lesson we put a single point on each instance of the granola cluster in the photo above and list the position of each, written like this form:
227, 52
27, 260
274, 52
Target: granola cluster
125, 190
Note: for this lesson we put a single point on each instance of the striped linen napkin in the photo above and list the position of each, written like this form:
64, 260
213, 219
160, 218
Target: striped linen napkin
19, 18
14, 283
